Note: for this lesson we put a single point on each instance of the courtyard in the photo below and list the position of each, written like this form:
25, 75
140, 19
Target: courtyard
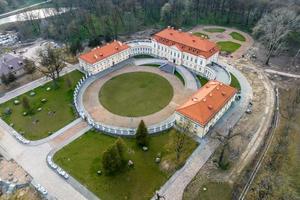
137, 182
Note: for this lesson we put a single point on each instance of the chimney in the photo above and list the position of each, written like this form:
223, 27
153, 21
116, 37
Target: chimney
169, 27
224, 93
180, 30
210, 107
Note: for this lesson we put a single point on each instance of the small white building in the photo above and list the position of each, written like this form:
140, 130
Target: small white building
203, 109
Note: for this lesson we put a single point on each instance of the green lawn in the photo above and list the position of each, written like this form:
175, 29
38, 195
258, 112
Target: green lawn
151, 65
228, 46
180, 77
82, 159
143, 56
215, 191
214, 30
238, 36
136, 94
55, 114
202, 80
202, 35
235, 82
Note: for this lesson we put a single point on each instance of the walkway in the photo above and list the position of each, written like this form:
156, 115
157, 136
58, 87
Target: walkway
174, 188
33, 160
30, 86
282, 73
23, 9
188, 77
221, 74
216, 37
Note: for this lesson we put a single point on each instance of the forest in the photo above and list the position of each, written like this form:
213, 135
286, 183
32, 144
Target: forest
94, 21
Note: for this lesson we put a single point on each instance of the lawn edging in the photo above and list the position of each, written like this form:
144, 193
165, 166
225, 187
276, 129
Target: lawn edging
71, 180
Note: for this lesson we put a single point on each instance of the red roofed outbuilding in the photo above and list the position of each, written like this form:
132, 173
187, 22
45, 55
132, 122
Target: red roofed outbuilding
206, 106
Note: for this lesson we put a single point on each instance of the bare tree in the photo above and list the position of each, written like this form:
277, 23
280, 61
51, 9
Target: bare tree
181, 138
225, 141
51, 62
273, 28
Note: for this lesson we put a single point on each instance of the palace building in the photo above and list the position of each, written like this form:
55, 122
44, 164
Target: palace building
176, 46
205, 107
101, 58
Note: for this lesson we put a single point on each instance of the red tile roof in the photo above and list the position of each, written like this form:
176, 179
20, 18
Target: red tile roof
207, 102
186, 42
99, 53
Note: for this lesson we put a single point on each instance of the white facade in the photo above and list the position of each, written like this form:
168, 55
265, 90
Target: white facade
104, 63
151, 47
197, 128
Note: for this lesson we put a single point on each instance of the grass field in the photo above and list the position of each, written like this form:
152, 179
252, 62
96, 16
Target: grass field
55, 114
214, 30
228, 46
151, 65
82, 159
280, 169
136, 94
237, 36
235, 82
202, 35
143, 56
215, 191
202, 80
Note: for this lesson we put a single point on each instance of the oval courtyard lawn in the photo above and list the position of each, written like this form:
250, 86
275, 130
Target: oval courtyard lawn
82, 159
136, 94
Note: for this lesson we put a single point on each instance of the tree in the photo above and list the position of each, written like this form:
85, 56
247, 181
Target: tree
181, 138
51, 62
120, 144
224, 140
26, 104
273, 28
142, 135
4, 79
29, 66
111, 160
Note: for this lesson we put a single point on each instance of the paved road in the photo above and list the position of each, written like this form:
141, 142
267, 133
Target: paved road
30, 86
33, 160
282, 73
23, 9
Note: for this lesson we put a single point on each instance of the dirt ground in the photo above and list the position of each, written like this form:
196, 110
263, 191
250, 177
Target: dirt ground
27, 78
12, 172
282, 62
245, 129
22, 194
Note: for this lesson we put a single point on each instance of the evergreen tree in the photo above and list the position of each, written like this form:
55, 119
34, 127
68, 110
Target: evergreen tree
142, 134
111, 160
121, 148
